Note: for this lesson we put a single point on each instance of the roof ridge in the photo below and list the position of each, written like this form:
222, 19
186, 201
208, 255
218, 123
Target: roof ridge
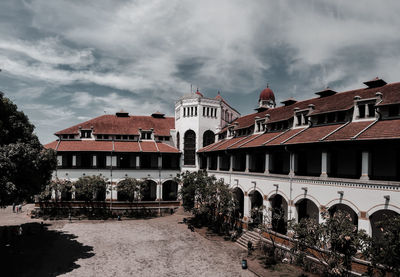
271, 139
363, 130
289, 138
334, 131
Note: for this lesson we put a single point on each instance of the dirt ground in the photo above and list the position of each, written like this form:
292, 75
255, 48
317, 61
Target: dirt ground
153, 247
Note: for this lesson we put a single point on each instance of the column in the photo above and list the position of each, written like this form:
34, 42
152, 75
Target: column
246, 208
247, 162
218, 162
231, 160
73, 160
208, 162
365, 157
266, 209
59, 160
324, 164
137, 162
364, 223
291, 164
94, 162
160, 162
266, 163
159, 191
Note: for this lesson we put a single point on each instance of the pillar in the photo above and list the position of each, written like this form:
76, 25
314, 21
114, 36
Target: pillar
292, 159
73, 160
324, 164
159, 162
218, 161
266, 209
246, 208
137, 162
94, 163
247, 162
364, 223
266, 163
231, 162
59, 160
208, 162
365, 161
159, 192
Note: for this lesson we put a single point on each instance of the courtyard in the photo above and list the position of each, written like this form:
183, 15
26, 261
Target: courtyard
153, 247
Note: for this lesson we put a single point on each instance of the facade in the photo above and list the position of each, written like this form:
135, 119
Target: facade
334, 151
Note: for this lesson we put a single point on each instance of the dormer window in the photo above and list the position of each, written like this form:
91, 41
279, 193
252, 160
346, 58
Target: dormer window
365, 109
68, 136
301, 119
145, 135
86, 133
394, 110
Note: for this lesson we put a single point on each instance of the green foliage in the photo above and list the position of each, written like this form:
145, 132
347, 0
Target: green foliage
25, 166
336, 240
60, 188
88, 188
131, 189
384, 250
206, 196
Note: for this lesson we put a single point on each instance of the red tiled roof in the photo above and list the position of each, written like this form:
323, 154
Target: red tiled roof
107, 146
259, 141
111, 124
348, 131
228, 143
213, 145
313, 134
244, 141
385, 129
285, 136
248, 120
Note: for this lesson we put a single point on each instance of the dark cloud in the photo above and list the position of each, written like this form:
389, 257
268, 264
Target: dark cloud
66, 61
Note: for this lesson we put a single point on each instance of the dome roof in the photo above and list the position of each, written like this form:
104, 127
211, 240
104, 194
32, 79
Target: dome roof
267, 94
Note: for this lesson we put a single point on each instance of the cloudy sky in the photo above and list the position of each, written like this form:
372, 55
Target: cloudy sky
64, 62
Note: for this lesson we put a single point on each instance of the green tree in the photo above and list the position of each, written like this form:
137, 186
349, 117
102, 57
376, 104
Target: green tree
334, 242
59, 187
384, 250
206, 197
25, 166
90, 188
130, 189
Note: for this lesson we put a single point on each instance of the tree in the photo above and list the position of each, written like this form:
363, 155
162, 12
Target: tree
59, 187
25, 166
130, 189
89, 188
333, 242
384, 250
209, 199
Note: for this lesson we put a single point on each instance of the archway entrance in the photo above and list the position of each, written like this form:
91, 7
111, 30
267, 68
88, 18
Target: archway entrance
346, 209
377, 217
149, 191
239, 196
279, 213
256, 202
170, 191
307, 209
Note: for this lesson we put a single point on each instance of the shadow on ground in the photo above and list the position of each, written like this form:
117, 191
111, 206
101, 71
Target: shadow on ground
38, 251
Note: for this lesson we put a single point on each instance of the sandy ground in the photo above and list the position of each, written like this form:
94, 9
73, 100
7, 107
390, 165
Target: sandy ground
153, 247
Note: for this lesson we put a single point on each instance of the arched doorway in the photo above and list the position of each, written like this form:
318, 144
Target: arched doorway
376, 218
239, 197
189, 148
149, 190
208, 138
256, 202
346, 209
279, 213
307, 209
169, 191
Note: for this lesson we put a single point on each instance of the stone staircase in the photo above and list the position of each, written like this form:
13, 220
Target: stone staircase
254, 237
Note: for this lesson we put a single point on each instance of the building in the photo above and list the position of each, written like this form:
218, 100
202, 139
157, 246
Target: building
339, 150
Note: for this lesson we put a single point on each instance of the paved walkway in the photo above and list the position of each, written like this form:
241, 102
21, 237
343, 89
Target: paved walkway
154, 247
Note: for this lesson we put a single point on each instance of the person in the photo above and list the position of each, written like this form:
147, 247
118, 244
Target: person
13, 207
69, 217
20, 208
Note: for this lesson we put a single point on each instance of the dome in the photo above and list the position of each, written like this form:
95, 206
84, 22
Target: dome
267, 94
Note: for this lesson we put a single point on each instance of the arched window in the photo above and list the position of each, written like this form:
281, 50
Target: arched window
189, 148
208, 138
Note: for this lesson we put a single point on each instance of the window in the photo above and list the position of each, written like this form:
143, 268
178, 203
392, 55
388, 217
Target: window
331, 117
71, 136
208, 111
125, 137
208, 138
341, 116
166, 138
86, 133
99, 136
361, 111
65, 136
321, 119
105, 137
131, 137
299, 120
146, 135
118, 137
393, 110
204, 111
189, 148
371, 110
